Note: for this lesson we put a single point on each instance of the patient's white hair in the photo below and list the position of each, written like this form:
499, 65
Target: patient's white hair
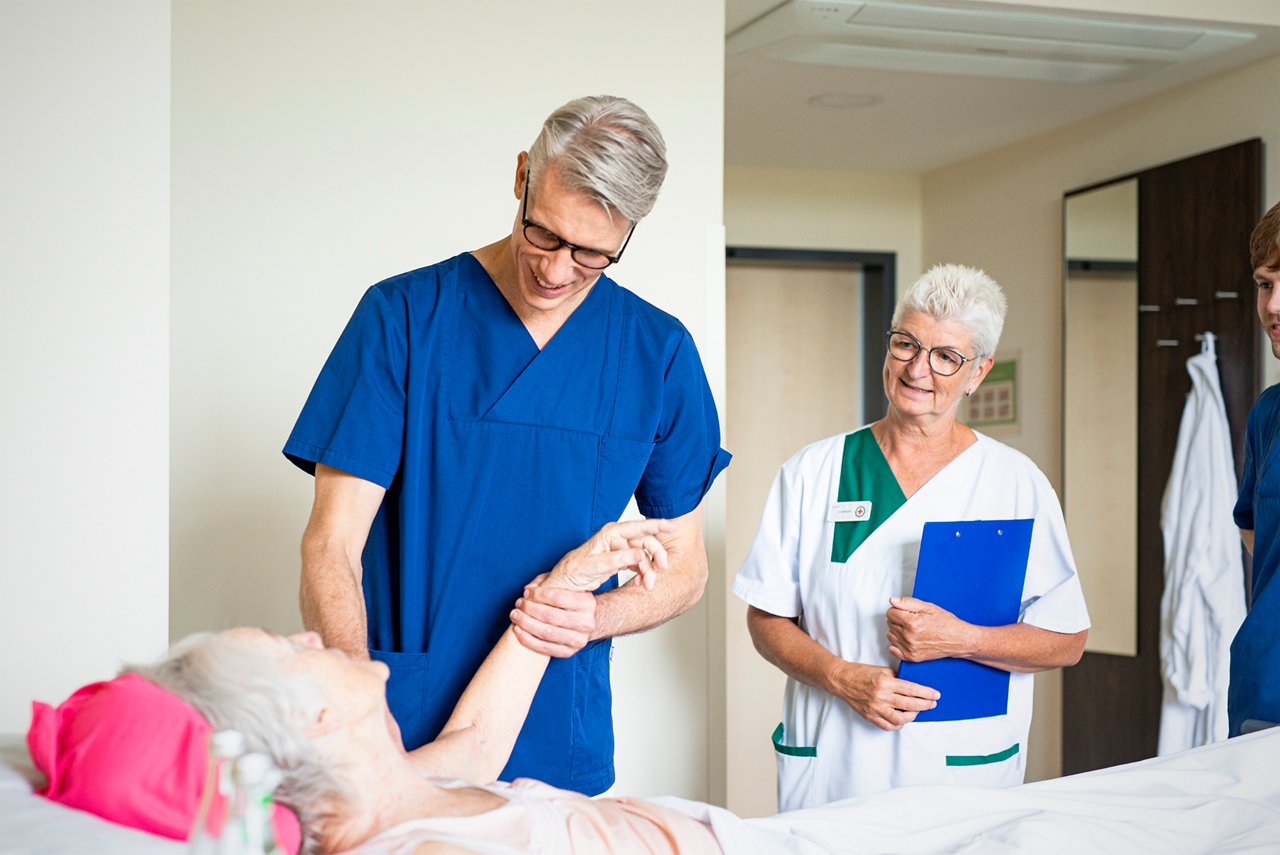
957, 294
236, 687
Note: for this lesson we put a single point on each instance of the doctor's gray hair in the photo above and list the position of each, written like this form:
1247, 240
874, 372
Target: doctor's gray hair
954, 293
606, 148
236, 687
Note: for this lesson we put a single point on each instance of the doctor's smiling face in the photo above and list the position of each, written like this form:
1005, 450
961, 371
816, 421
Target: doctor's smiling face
917, 390
553, 282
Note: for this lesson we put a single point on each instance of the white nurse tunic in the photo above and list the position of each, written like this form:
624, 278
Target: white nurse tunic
835, 568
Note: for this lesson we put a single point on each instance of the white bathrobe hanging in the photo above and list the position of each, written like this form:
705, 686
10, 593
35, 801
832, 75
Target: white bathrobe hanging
1203, 602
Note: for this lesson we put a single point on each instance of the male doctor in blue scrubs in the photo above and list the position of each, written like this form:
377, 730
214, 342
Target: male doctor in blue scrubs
1253, 696
480, 418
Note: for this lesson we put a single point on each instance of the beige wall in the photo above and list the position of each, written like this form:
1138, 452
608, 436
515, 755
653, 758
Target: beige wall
84, 324
319, 147
1003, 212
1100, 455
812, 209
792, 335
791, 209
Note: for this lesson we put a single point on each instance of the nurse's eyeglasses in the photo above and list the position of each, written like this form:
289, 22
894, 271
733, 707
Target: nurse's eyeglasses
545, 239
945, 361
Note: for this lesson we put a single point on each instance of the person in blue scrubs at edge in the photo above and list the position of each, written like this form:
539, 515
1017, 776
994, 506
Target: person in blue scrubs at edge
1253, 696
481, 417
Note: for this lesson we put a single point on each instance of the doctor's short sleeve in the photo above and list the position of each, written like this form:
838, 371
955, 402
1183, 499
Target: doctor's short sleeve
686, 456
1243, 511
770, 577
1052, 598
353, 419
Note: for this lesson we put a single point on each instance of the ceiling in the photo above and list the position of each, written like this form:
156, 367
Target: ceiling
926, 83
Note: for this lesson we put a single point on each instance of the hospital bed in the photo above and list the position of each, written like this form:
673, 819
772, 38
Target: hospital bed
1220, 798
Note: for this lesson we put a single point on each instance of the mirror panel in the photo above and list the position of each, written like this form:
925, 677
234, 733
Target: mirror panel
1100, 411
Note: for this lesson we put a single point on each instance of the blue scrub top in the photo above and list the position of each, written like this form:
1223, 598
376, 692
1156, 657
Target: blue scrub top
1254, 692
499, 458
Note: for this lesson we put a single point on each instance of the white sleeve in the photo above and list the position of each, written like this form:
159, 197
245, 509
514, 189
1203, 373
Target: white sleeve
1052, 598
770, 577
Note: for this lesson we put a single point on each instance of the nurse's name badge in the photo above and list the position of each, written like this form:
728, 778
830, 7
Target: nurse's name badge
849, 512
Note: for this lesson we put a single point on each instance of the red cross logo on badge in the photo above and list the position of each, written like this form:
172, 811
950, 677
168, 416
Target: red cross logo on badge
860, 511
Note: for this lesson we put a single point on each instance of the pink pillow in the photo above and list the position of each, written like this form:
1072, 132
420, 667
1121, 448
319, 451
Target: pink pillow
130, 752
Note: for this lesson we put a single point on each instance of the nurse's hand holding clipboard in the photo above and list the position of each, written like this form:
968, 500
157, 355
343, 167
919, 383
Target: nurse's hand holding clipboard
557, 614
922, 632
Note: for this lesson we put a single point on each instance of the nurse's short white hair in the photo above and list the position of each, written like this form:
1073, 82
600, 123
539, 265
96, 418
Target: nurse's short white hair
954, 293
606, 148
236, 687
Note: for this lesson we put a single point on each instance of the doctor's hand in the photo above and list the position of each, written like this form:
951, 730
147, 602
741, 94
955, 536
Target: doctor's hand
920, 631
557, 614
554, 621
875, 693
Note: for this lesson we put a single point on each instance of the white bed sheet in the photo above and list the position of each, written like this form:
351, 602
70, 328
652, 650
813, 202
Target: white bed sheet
1222, 798
31, 825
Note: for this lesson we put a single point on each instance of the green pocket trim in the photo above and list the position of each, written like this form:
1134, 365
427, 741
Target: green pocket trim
983, 759
792, 750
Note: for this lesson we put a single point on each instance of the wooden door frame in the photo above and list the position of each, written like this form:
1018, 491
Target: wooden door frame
879, 296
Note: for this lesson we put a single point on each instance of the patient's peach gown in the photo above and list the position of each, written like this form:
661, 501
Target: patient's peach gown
539, 818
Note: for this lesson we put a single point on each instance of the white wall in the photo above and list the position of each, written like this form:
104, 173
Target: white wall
321, 146
1003, 212
84, 167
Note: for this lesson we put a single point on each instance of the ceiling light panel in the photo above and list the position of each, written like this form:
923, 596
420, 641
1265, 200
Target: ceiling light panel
1024, 25
995, 42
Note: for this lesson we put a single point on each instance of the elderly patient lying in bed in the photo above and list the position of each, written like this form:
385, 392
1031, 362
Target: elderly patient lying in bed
323, 717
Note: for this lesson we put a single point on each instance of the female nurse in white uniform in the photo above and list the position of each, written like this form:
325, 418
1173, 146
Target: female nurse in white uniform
829, 577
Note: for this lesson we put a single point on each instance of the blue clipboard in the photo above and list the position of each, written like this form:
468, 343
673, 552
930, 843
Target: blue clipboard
976, 571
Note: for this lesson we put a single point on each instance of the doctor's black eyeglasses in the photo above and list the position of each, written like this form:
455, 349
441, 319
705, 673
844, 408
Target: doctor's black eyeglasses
545, 239
945, 361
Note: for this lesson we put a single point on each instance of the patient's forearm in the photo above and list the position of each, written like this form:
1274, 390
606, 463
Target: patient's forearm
476, 742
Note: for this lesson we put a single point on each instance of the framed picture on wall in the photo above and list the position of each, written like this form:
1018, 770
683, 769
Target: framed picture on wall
993, 408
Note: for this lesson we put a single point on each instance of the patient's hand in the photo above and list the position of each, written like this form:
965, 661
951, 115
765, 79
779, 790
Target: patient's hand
557, 614
876, 694
630, 545
921, 631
